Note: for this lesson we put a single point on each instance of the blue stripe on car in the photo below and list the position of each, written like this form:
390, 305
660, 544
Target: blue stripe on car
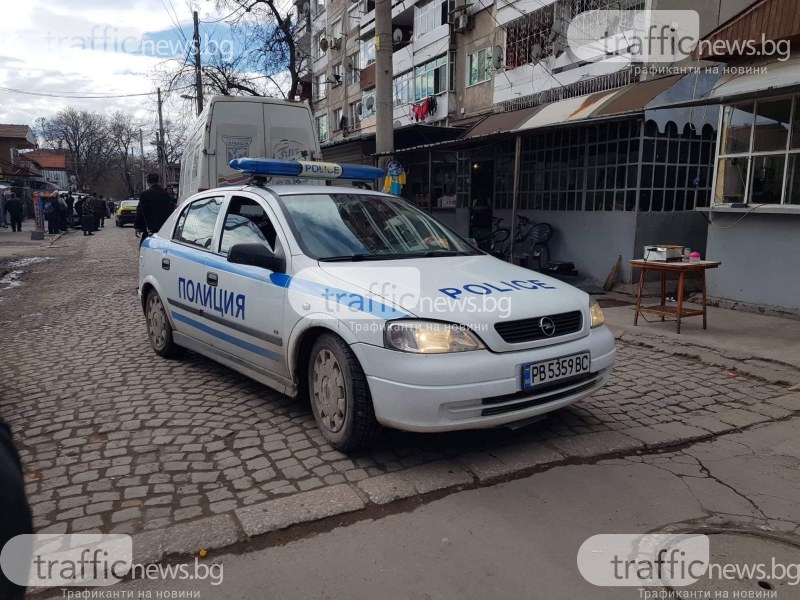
226, 337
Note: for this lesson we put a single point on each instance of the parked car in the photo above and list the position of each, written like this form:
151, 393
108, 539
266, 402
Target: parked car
367, 305
126, 213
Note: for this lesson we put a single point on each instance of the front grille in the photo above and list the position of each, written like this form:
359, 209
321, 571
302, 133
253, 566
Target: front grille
587, 381
530, 330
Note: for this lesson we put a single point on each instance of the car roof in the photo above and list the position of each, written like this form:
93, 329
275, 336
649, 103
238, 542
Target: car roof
289, 190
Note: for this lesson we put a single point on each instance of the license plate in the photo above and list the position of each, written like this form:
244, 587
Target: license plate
539, 373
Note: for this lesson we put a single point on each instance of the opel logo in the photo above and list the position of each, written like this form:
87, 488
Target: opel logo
547, 326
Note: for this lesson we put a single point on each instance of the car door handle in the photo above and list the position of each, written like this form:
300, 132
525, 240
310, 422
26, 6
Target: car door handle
165, 264
212, 278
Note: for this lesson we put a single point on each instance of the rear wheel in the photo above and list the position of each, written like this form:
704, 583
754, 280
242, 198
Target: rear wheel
339, 395
159, 329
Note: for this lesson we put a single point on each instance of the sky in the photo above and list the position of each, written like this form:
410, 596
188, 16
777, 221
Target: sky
90, 47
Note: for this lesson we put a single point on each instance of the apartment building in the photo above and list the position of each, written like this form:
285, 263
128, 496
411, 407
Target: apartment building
599, 157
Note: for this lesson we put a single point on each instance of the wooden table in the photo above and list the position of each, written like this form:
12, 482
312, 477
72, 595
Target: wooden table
681, 268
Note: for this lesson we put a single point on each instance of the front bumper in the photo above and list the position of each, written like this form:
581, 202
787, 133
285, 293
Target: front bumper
475, 390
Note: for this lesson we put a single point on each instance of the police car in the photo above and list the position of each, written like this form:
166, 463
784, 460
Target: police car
367, 305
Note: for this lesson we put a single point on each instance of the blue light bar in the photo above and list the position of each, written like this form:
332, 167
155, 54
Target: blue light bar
305, 168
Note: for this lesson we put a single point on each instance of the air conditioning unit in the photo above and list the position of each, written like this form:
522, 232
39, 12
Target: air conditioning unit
334, 43
462, 22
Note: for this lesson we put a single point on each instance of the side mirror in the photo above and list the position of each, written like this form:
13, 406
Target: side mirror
256, 255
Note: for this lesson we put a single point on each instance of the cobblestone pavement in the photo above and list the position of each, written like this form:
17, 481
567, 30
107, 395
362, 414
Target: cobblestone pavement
117, 439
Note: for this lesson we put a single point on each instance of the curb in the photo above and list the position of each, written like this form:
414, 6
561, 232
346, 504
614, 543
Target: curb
254, 523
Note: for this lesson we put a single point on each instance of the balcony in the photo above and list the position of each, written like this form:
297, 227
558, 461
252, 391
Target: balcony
368, 77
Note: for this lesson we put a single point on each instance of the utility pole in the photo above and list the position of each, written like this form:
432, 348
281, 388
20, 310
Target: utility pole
198, 80
384, 133
162, 166
141, 152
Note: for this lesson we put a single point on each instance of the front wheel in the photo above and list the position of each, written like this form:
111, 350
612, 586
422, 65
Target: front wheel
159, 329
339, 395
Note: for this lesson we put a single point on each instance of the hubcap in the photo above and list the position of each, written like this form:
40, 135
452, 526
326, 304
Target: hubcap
329, 391
156, 322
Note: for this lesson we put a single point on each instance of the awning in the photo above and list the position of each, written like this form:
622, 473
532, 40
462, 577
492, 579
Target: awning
629, 99
745, 82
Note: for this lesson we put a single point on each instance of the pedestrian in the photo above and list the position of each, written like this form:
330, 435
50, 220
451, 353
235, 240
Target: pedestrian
17, 519
70, 207
87, 218
62, 212
155, 207
15, 210
99, 211
3, 198
51, 213
79, 210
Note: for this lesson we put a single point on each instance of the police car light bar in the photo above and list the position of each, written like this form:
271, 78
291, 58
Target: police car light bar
304, 168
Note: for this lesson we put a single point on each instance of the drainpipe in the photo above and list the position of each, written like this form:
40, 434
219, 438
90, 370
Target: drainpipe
515, 194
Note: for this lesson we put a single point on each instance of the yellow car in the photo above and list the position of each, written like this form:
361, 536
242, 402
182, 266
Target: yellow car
126, 213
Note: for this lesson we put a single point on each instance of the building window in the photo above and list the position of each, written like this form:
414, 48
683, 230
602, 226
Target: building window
429, 15
319, 7
336, 74
322, 128
337, 119
321, 86
759, 153
316, 50
367, 52
368, 103
336, 29
353, 18
479, 65
607, 166
528, 38
355, 114
430, 78
403, 88
353, 66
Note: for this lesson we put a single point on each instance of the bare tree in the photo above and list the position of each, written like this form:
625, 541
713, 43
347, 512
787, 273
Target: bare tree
261, 58
87, 137
124, 132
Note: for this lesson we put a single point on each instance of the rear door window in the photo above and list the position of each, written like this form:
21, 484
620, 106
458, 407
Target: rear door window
197, 221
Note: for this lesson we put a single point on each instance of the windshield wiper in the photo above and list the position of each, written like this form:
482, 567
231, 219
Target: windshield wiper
396, 256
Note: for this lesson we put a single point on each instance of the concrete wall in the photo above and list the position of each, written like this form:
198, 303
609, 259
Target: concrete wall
474, 99
592, 240
759, 257
686, 228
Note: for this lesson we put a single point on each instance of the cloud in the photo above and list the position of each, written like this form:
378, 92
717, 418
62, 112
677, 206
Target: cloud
69, 46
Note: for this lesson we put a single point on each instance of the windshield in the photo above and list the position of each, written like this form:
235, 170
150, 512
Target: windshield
364, 227
129, 203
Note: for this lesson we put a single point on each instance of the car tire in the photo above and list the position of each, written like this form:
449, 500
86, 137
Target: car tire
339, 395
159, 329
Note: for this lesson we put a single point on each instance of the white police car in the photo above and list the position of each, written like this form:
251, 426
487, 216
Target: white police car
367, 305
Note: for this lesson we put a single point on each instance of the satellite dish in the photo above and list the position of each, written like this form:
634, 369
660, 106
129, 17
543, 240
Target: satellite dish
370, 103
360, 108
397, 35
306, 7
397, 123
498, 58
323, 44
536, 51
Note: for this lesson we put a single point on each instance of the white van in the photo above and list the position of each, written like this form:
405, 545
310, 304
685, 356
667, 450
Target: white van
233, 127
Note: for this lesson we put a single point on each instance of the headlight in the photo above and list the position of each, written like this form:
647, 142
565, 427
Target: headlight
430, 337
597, 313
